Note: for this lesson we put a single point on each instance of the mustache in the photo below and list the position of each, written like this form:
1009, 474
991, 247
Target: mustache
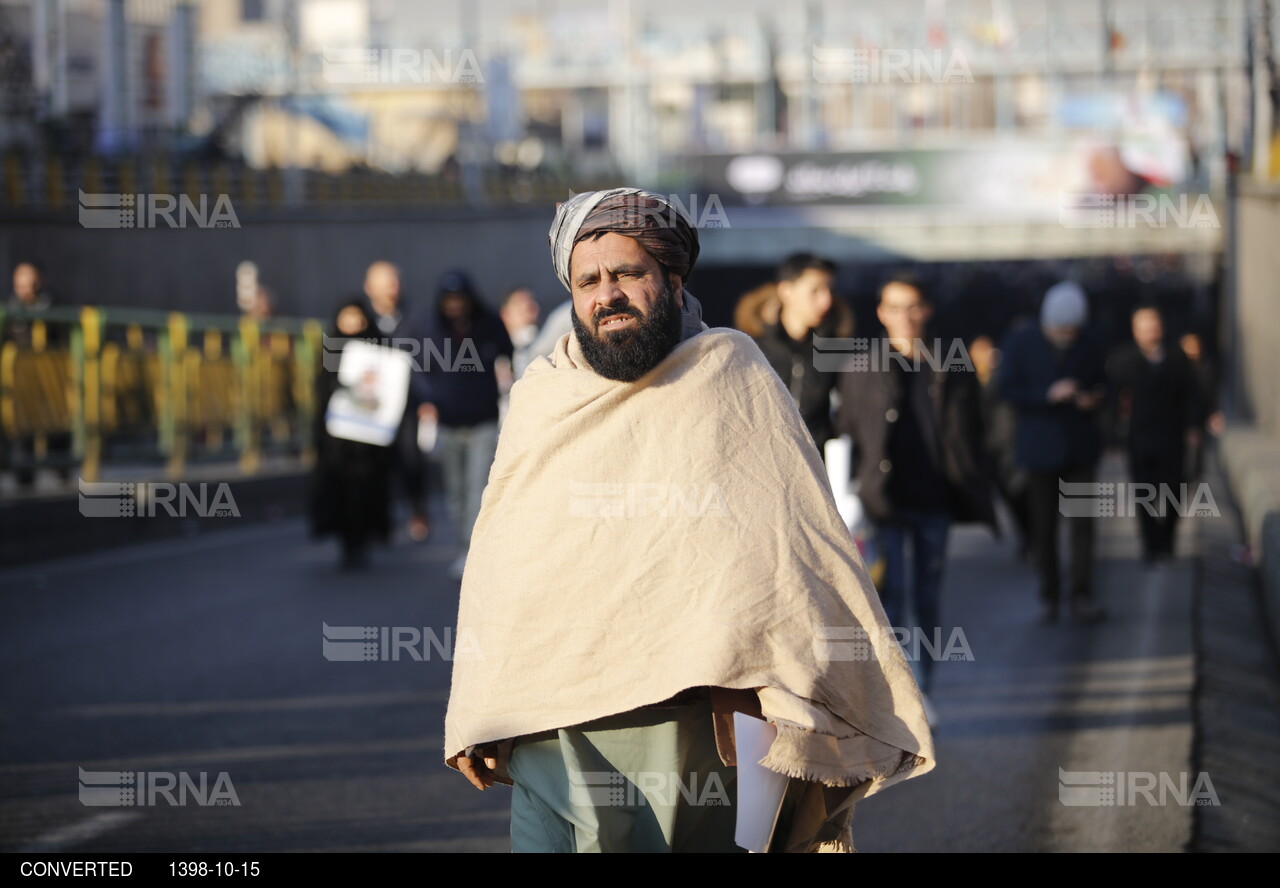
603, 314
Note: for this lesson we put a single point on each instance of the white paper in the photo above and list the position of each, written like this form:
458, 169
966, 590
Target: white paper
428, 430
837, 453
374, 384
760, 790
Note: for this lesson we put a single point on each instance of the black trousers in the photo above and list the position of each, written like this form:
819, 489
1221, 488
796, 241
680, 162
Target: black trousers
1042, 495
1164, 471
410, 464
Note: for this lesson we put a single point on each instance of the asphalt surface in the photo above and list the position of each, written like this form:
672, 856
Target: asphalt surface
205, 654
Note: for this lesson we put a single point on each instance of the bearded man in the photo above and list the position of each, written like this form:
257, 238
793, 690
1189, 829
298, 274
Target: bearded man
657, 549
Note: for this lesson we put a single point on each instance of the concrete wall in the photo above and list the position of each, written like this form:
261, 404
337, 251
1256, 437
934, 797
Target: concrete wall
1258, 294
309, 263
311, 260
1251, 453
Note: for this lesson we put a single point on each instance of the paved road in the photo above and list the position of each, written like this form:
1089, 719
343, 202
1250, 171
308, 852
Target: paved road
205, 655
1036, 698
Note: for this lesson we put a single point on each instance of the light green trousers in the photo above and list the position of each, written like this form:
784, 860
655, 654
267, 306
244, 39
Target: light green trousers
643, 781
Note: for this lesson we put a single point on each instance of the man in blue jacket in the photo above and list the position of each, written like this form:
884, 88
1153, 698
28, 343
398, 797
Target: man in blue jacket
1054, 375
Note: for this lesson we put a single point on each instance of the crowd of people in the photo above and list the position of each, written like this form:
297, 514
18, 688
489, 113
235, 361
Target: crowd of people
934, 443
943, 427
464, 358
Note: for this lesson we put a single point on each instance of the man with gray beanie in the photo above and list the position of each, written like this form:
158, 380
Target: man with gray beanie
1054, 375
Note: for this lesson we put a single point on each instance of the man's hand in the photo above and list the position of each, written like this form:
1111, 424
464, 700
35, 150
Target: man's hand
1088, 400
1063, 390
478, 770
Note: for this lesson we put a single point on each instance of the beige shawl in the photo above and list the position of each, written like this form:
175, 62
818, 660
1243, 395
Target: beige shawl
638, 539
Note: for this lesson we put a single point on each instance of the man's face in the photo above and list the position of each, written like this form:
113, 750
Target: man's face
1062, 337
625, 314
520, 310
455, 306
808, 298
382, 285
1190, 343
26, 282
1148, 330
903, 312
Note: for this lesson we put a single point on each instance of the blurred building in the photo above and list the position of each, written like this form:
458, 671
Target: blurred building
630, 86
95, 75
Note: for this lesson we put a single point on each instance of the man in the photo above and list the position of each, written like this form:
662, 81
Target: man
556, 325
1212, 420
807, 306
916, 425
657, 549
519, 312
396, 327
30, 297
999, 424
1055, 377
460, 391
1158, 394
262, 307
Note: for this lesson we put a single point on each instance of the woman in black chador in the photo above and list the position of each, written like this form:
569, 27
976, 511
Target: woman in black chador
351, 487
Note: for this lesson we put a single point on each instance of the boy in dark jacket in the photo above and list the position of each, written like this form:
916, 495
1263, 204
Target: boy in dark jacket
808, 306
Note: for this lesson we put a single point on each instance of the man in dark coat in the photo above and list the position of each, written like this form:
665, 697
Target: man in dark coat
399, 326
1160, 417
460, 391
913, 411
1055, 376
807, 307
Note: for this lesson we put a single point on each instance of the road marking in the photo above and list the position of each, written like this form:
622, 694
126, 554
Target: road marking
196, 759
149, 551
74, 834
274, 704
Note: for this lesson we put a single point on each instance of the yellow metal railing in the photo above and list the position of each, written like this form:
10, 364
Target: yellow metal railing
87, 386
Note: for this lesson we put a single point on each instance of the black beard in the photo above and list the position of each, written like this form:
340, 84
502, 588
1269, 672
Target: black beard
626, 355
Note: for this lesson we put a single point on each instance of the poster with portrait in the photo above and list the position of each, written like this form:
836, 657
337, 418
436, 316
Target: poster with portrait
373, 387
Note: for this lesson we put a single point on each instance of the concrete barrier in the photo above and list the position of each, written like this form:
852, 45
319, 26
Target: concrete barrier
44, 527
1252, 462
